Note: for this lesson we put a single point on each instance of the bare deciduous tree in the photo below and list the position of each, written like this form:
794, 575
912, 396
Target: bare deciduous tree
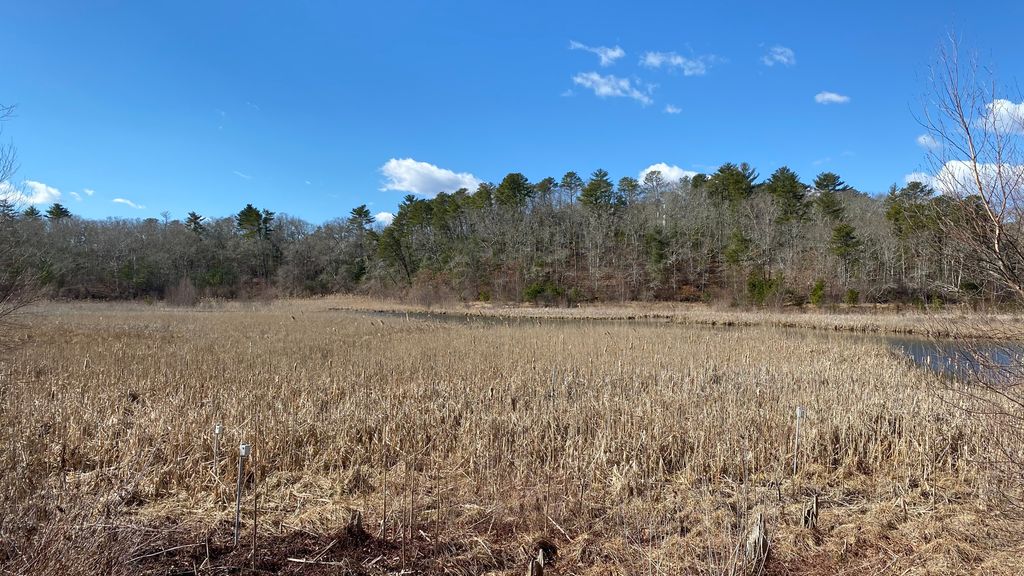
16, 286
974, 137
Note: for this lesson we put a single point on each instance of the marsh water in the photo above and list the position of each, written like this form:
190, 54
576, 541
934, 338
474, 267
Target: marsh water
990, 360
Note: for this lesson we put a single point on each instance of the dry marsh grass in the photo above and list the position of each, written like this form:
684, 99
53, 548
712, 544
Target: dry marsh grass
881, 319
628, 447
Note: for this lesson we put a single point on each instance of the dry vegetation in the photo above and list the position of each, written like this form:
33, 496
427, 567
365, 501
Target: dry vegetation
630, 448
955, 322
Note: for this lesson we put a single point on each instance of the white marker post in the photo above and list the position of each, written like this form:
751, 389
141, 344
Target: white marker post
800, 414
243, 453
218, 431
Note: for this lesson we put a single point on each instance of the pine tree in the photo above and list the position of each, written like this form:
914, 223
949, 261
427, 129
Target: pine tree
829, 185
194, 222
57, 212
789, 193
599, 193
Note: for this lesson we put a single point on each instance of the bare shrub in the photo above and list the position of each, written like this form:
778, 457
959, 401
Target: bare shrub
184, 293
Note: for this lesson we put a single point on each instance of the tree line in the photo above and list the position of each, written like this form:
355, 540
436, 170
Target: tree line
726, 236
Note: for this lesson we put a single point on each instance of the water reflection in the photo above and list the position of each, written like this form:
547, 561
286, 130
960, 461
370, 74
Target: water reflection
989, 360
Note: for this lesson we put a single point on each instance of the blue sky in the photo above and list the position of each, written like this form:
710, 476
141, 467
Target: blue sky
129, 109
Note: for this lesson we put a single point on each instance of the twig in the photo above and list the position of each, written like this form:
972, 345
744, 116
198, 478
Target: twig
164, 551
321, 562
560, 529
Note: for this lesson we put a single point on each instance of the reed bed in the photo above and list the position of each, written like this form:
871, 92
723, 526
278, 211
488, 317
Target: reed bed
462, 447
951, 322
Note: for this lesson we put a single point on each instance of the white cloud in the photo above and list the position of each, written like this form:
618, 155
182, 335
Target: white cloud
76, 196
385, 218
37, 193
89, 191
423, 178
607, 56
830, 98
689, 66
41, 193
670, 109
922, 177
241, 175
613, 86
1004, 116
128, 203
957, 178
779, 55
928, 141
671, 173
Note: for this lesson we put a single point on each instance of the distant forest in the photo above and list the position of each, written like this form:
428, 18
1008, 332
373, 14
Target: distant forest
724, 237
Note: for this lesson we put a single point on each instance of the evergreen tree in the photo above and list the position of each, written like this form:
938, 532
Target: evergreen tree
514, 191
57, 212
545, 189
789, 194
828, 186
253, 223
194, 223
599, 193
7, 210
571, 186
629, 190
360, 217
732, 183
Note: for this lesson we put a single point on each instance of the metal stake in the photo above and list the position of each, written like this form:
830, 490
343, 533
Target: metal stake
243, 453
800, 413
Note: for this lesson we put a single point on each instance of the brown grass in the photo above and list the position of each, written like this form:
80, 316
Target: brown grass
630, 447
880, 319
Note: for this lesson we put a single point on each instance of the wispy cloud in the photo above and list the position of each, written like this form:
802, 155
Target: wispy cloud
830, 98
607, 56
779, 55
611, 86
928, 142
696, 66
670, 109
385, 218
76, 196
241, 175
128, 203
89, 191
423, 178
32, 193
669, 172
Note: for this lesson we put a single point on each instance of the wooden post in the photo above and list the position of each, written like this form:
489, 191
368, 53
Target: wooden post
757, 544
809, 519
